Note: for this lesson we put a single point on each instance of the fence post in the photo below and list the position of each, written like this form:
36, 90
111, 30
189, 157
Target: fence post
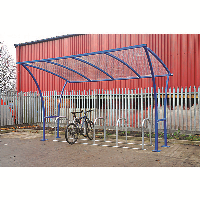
141, 105
152, 106
182, 108
190, 97
165, 114
138, 108
178, 126
186, 108
159, 104
129, 121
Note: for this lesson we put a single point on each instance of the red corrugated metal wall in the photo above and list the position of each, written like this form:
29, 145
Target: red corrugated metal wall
180, 53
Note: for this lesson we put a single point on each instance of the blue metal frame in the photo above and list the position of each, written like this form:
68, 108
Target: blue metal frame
43, 107
69, 69
108, 53
156, 105
85, 54
47, 71
88, 63
59, 108
163, 64
115, 57
155, 97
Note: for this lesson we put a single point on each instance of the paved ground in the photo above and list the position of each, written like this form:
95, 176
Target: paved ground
26, 150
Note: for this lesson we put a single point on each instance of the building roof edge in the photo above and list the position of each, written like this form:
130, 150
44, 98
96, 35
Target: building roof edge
47, 39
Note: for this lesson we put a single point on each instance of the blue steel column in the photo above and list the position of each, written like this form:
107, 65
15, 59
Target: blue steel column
59, 108
165, 114
43, 108
155, 97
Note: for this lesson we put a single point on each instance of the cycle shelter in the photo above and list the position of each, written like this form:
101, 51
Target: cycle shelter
133, 62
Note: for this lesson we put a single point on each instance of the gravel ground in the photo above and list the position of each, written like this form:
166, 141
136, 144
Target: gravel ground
26, 150
27, 169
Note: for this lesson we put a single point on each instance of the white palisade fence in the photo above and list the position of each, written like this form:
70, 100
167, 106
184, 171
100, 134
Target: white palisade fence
183, 111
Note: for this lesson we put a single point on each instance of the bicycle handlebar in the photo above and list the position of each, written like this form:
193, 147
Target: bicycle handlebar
74, 113
77, 112
88, 111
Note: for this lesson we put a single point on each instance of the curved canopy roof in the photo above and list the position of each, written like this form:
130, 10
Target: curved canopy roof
133, 62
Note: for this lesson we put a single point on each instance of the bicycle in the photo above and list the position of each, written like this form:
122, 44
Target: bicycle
77, 128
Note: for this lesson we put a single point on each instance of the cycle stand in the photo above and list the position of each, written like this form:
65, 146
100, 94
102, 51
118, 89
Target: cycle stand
149, 125
56, 118
117, 130
104, 124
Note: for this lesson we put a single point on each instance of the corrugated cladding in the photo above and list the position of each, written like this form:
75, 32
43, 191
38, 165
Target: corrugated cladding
180, 53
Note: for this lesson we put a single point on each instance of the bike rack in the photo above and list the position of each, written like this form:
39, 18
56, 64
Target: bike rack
149, 125
56, 118
117, 129
104, 124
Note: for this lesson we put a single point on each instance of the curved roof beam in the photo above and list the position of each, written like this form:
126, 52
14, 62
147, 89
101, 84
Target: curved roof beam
115, 57
69, 69
46, 71
159, 60
88, 63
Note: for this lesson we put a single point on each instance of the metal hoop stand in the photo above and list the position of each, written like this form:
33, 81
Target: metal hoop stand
56, 119
149, 126
104, 124
117, 130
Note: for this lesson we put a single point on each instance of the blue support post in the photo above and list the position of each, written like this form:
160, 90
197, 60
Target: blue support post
43, 107
59, 108
155, 97
165, 114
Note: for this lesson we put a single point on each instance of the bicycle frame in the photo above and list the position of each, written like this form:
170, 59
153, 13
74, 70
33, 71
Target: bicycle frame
79, 127
80, 118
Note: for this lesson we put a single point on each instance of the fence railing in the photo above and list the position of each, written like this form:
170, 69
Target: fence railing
183, 111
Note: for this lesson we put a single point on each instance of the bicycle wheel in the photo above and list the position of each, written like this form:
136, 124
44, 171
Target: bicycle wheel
71, 133
90, 129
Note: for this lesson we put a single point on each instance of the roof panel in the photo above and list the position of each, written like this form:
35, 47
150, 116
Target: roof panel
114, 64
